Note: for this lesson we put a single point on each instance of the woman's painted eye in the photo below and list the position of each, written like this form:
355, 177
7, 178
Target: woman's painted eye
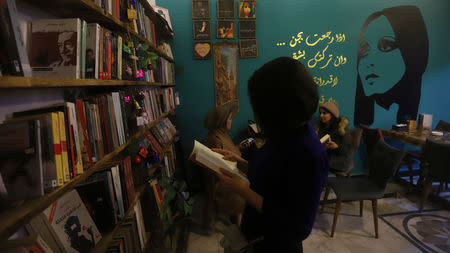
387, 44
364, 48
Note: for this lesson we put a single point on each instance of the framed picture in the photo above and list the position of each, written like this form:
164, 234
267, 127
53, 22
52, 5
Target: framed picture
200, 9
164, 13
247, 9
225, 29
202, 50
225, 9
247, 29
248, 49
202, 29
225, 72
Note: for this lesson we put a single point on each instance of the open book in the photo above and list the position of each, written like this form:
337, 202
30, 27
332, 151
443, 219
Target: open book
209, 159
325, 139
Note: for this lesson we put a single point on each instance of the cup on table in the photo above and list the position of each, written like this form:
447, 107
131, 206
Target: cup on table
412, 126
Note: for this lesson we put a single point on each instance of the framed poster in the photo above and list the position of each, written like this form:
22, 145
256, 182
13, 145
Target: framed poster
248, 49
200, 9
225, 72
201, 29
225, 29
202, 50
247, 29
247, 9
225, 9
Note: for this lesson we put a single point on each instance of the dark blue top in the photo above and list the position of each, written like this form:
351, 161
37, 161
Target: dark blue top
289, 173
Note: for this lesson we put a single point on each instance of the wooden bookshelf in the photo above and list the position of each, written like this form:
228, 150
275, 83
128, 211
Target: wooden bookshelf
35, 82
14, 218
92, 13
106, 240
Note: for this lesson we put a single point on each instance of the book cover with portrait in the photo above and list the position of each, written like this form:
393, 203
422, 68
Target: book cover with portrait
72, 223
55, 50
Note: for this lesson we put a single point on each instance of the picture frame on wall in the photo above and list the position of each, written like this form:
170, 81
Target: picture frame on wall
225, 72
225, 9
201, 29
247, 9
200, 9
247, 29
225, 29
202, 50
248, 49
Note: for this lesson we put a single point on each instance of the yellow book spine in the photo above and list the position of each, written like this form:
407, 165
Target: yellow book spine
57, 148
64, 155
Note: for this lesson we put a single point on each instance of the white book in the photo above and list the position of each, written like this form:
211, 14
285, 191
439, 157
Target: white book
325, 138
92, 50
140, 224
118, 189
119, 119
72, 223
209, 159
56, 48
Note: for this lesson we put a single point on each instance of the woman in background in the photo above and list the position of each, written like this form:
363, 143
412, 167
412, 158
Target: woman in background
338, 148
220, 199
392, 56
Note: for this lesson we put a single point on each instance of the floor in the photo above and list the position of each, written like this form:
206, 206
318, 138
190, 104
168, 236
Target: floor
353, 233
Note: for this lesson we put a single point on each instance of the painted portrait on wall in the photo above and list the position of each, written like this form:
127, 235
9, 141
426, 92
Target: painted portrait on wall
225, 72
392, 57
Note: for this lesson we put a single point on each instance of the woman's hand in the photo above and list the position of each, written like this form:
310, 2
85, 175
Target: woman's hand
233, 181
331, 145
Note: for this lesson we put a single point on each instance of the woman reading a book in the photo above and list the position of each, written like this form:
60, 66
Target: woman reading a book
287, 174
338, 146
220, 199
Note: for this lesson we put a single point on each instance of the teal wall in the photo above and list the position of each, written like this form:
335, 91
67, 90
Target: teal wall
277, 22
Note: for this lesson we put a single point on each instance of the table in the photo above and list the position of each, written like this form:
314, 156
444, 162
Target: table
417, 139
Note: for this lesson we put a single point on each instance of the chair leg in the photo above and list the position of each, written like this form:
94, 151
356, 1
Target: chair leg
410, 169
426, 191
325, 198
375, 216
336, 214
361, 206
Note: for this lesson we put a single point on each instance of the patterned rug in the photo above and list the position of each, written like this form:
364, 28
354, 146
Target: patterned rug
429, 231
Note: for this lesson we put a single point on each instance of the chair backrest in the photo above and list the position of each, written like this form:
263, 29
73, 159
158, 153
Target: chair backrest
383, 162
436, 159
442, 126
370, 137
356, 138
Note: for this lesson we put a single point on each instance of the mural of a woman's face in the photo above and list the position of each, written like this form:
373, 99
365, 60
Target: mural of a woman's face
381, 64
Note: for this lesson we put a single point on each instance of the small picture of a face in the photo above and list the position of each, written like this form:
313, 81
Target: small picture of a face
225, 29
381, 64
66, 49
200, 9
202, 30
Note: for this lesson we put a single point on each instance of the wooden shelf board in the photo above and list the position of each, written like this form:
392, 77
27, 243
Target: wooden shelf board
35, 82
103, 244
12, 219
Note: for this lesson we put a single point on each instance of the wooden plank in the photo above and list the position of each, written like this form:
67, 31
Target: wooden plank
34, 82
12, 219
103, 244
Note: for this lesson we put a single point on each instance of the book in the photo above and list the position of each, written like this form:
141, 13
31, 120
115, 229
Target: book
92, 50
64, 155
83, 30
73, 225
55, 50
118, 190
39, 225
14, 59
31, 244
325, 138
21, 166
209, 159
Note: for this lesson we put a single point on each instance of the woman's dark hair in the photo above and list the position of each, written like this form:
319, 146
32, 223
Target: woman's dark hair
283, 95
412, 40
333, 121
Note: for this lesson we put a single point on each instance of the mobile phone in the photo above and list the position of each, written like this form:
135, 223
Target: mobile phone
249, 140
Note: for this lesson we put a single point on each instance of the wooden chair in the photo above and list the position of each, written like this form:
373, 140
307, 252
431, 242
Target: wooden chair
435, 166
384, 160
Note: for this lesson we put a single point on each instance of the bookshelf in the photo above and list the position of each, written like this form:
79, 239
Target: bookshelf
16, 217
34, 82
22, 212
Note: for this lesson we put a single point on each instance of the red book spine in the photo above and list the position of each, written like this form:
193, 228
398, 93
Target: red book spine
82, 117
105, 127
129, 179
154, 142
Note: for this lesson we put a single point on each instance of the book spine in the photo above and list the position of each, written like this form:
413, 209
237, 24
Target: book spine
129, 179
112, 122
77, 138
57, 149
100, 54
79, 53
119, 57
118, 190
124, 115
98, 132
84, 130
64, 156
90, 129
83, 49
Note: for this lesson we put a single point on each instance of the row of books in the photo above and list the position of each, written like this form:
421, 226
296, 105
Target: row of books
165, 71
50, 146
143, 25
116, 8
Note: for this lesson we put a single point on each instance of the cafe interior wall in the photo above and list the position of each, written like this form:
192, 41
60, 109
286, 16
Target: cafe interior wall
324, 36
